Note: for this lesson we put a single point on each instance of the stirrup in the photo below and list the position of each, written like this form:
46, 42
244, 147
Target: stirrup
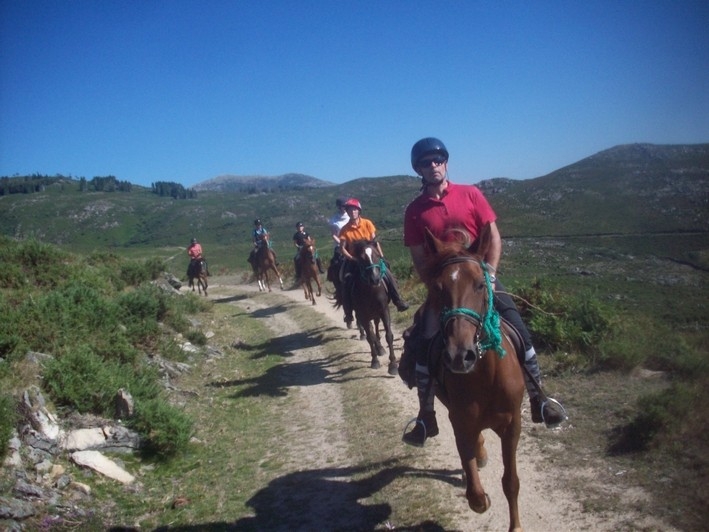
415, 421
559, 407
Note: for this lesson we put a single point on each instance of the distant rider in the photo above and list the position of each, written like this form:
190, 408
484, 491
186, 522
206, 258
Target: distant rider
259, 236
299, 238
336, 222
194, 250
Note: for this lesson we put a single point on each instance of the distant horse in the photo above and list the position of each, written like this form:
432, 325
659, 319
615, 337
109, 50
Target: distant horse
478, 376
198, 270
309, 269
265, 261
370, 301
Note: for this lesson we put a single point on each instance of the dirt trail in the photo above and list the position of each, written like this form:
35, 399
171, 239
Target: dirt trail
317, 441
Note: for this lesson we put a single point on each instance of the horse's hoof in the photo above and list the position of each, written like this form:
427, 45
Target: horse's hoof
481, 509
393, 369
375, 364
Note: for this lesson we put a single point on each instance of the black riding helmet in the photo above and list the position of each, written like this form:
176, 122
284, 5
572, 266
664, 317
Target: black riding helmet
427, 146
340, 202
257, 221
299, 224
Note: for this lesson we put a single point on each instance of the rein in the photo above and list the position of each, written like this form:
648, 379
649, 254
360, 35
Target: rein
489, 322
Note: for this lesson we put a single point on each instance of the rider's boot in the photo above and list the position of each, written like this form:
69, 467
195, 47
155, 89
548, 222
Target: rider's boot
320, 268
542, 412
426, 424
396, 298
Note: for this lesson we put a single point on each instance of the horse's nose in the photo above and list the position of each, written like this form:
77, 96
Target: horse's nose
462, 362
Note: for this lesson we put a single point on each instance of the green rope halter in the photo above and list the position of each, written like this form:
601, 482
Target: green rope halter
381, 265
490, 322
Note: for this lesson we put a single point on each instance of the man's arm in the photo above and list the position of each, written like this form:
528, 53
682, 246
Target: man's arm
494, 251
418, 255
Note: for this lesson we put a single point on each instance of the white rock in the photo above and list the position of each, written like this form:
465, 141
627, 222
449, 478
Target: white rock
81, 439
101, 464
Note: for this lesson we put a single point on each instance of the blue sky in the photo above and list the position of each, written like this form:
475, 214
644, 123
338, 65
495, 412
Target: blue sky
188, 90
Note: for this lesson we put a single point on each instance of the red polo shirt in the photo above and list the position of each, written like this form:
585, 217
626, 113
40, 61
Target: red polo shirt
461, 207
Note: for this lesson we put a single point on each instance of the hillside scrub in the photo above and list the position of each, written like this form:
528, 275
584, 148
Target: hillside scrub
98, 317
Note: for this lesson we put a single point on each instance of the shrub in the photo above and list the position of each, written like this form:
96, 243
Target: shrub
566, 322
83, 380
8, 420
167, 430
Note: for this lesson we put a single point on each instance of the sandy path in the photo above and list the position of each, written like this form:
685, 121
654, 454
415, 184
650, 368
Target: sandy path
317, 441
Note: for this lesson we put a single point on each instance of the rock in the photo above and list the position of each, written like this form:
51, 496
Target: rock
81, 487
82, 439
15, 509
103, 465
107, 438
125, 406
35, 411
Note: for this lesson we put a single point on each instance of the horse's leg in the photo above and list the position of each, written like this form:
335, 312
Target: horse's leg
372, 340
481, 452
317, 282
393, 364
310, 289
304, 284
468, 441
278, 276
510, 480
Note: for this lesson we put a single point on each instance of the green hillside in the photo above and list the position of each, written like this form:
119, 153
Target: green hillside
634, 190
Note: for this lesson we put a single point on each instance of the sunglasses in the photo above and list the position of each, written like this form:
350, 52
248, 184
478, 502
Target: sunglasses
438, 160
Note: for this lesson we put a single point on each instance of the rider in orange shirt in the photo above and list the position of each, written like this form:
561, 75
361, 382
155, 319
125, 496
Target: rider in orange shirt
359, 228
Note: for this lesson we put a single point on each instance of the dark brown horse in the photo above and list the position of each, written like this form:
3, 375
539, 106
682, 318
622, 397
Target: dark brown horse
370, 301
198, 271
479, 378
309, 269
263, 263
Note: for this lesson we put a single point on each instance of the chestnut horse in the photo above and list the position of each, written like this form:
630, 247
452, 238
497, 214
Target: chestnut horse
478, 376
370, 301
265, 261
309, 269
198, 271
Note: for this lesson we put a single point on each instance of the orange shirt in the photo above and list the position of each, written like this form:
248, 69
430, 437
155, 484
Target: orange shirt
364, 230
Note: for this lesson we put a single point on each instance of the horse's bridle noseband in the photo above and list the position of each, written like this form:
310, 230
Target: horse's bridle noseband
487, 323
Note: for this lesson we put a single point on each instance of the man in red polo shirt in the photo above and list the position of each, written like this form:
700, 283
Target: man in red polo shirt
440, 207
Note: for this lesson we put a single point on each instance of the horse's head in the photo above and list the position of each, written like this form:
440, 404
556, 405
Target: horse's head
460, 289
369, 261
308, 247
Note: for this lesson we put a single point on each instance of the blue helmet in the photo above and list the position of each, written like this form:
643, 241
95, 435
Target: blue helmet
427, 146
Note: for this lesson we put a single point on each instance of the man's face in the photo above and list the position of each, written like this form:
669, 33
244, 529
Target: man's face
353, 212
433, 168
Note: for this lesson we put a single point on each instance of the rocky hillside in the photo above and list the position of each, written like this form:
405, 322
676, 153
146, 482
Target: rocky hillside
258, 183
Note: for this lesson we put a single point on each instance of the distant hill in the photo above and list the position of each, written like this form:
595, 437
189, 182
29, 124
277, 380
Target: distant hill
635, 189
255, 184
632, 188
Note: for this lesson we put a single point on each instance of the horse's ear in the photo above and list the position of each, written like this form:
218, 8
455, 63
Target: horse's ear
482, 243
431, 241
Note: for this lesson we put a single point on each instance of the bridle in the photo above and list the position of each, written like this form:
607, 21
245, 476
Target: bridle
487, 323
380, 265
